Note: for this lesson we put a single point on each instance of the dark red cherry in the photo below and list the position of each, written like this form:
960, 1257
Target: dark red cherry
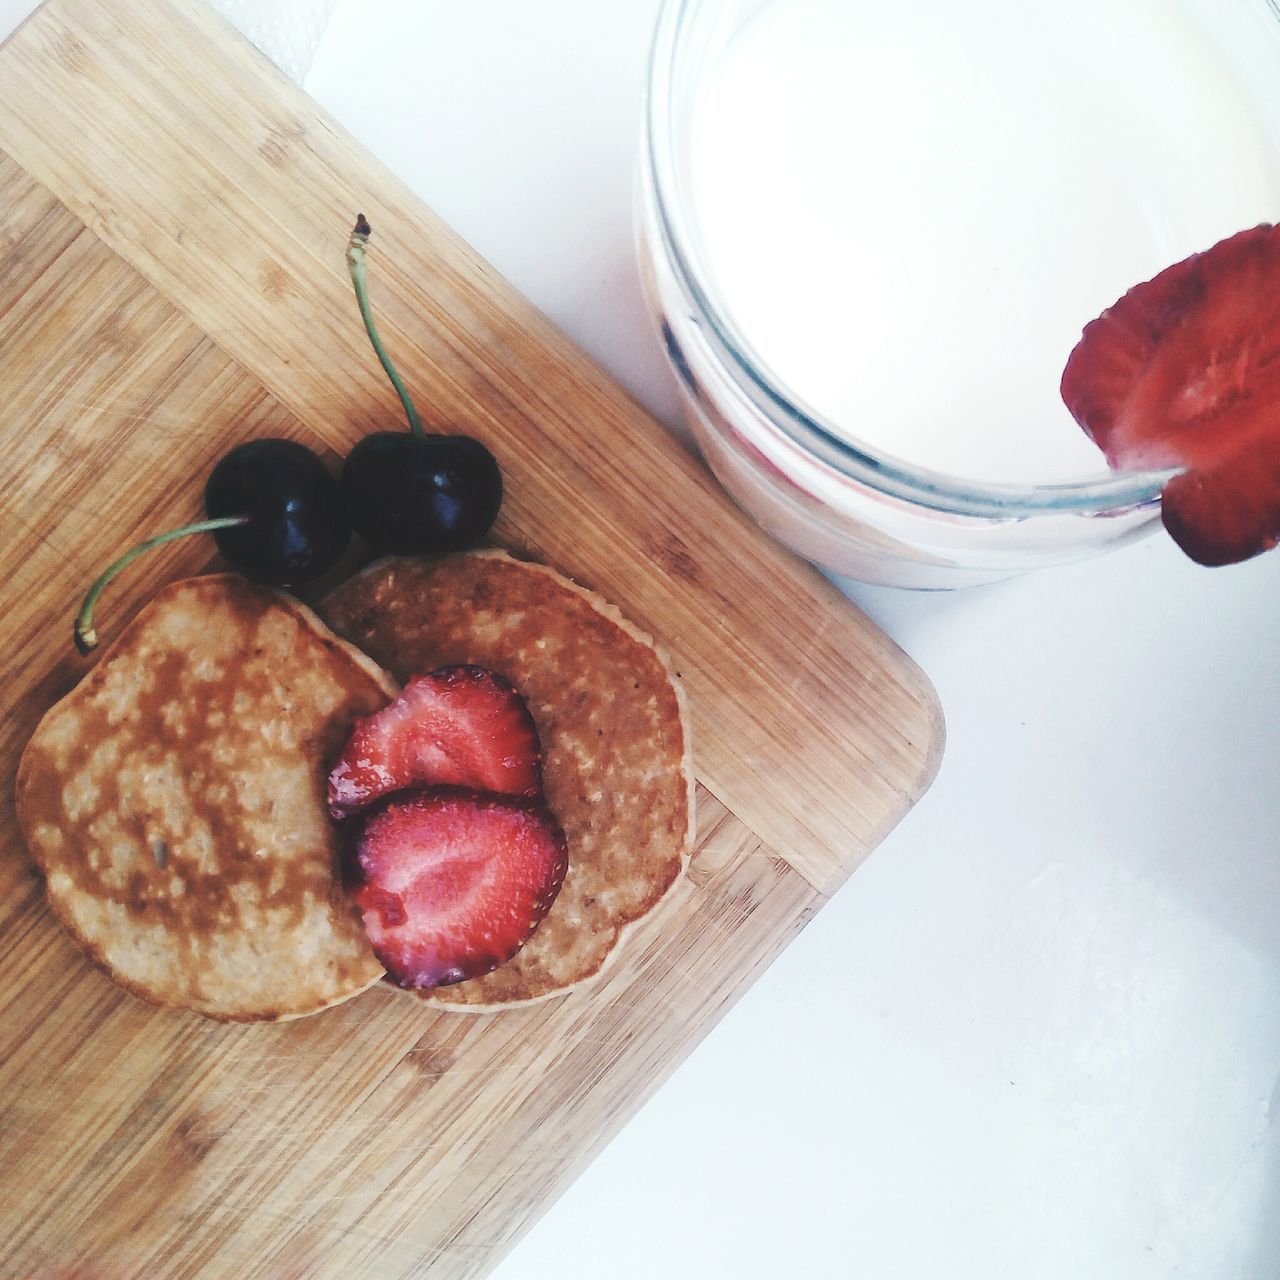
409, 492
297, 526
275, 511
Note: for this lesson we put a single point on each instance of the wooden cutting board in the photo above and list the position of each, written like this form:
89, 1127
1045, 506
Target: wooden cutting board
172, 225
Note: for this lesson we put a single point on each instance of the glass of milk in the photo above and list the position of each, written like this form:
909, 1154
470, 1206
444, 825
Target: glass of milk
872, 233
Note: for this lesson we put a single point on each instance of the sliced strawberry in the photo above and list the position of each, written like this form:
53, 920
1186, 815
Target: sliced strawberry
454, 881
459, 726
1184, 372
1225, 514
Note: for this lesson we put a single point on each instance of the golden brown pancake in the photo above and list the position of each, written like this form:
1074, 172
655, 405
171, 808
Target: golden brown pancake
174, 802
610, 713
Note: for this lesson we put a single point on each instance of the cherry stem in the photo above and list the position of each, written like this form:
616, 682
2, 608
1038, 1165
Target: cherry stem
356, 247
85, 636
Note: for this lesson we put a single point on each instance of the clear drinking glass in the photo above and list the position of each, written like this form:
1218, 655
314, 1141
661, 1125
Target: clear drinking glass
808, 480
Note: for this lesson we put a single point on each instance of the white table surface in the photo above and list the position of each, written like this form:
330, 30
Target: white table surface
1037, 1036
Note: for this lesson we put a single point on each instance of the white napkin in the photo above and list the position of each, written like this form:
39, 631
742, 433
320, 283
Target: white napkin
287, 31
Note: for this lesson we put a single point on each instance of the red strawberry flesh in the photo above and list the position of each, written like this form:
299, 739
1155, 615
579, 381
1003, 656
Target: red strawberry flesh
455, 881
1184, 372
459, 726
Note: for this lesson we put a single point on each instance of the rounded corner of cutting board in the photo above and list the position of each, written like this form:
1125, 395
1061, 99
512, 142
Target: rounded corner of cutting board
933, 729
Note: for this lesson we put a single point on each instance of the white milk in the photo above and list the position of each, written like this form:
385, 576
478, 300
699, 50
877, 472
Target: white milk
911, 209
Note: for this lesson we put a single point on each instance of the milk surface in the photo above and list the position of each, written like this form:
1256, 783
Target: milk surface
910, 211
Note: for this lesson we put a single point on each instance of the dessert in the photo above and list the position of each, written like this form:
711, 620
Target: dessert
238, 813
610, 715
174, 802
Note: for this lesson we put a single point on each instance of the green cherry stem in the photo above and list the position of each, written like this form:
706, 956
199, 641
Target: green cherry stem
356, 247
83, 634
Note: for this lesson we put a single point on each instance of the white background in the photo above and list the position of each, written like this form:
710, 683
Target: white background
1037, 1036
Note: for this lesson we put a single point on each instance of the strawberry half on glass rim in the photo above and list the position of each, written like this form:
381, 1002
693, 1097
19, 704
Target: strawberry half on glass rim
1183, 373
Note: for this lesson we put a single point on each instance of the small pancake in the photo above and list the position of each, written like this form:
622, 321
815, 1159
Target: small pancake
610, 713
174, 801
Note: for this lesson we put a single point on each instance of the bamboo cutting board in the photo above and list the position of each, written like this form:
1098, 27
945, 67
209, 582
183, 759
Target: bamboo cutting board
173, 215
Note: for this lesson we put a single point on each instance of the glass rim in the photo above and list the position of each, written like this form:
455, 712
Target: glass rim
807, 428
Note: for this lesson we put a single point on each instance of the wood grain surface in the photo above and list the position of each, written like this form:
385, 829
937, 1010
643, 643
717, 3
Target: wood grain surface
172, 226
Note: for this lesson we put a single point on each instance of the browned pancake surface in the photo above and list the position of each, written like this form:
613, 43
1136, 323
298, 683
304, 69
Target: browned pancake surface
610, 715
175, 803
